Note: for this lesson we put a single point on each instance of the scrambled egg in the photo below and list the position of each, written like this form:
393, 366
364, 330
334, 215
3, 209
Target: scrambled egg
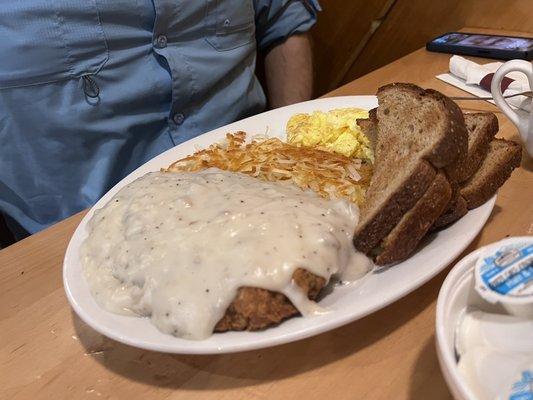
335, 131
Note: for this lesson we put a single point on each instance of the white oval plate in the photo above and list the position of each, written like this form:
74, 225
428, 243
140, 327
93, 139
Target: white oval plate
347, 303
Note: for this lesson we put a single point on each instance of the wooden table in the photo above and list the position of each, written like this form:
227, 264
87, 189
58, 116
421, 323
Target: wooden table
46, 352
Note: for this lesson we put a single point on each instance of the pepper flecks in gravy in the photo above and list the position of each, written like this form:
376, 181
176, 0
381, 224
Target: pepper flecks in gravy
177, 246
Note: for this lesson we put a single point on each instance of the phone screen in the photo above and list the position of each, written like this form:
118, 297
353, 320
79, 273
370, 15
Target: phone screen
485, 41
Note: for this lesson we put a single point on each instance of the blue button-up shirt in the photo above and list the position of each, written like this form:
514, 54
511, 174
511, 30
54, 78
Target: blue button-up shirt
91, 89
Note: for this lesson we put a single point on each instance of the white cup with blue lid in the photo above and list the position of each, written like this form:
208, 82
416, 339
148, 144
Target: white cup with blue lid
504, 275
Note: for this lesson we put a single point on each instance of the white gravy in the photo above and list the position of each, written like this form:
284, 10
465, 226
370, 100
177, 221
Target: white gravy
177, 246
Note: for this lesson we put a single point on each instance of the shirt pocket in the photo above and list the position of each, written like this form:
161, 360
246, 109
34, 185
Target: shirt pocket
47, 41
229, 23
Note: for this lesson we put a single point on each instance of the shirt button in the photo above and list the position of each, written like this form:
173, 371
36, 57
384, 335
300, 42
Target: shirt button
178, 118
161, 42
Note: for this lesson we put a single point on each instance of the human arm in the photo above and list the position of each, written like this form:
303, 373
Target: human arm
283, 39
289, 71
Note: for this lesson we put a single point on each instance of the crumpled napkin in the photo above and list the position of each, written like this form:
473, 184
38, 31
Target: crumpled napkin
481, 75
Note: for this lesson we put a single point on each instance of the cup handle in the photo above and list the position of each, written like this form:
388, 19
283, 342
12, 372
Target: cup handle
496, 89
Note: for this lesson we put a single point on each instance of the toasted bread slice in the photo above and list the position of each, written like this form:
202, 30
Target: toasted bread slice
394, 204
481, 129
405, 236
502, 158
369, 126
418, 131
456, 209
457, 205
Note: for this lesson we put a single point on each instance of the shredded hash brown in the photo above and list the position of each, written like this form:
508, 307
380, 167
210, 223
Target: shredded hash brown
328, 174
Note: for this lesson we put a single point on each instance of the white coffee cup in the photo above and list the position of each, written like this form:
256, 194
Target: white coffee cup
524, 123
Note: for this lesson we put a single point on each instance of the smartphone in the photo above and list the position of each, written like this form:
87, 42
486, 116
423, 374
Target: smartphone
482, 45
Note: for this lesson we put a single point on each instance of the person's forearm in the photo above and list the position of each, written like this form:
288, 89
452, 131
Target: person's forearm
289, 71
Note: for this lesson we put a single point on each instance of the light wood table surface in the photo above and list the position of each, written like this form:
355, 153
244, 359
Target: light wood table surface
46, 352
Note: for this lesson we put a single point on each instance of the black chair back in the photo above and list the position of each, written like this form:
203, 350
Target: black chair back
6, 237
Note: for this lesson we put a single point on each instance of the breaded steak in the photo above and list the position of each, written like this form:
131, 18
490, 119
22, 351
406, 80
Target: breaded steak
255, 308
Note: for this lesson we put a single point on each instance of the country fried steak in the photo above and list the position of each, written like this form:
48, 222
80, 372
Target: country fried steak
273, 160
255, 308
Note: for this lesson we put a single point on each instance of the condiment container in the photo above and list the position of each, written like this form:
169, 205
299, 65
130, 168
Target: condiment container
484, 349
504, 275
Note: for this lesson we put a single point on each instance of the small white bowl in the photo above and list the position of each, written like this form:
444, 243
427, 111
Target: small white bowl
455, 296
